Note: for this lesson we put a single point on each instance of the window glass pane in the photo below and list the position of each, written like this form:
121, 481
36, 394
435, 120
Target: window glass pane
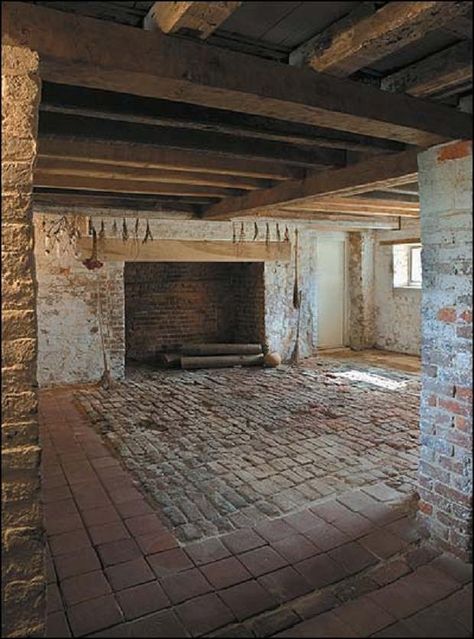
415, 265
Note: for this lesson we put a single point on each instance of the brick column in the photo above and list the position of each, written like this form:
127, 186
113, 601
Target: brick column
445, 473
22, 534
362, 290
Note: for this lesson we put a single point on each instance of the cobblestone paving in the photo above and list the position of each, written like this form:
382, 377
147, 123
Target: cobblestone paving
224, 449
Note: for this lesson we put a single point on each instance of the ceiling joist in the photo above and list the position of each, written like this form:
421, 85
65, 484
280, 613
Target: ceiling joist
196, 19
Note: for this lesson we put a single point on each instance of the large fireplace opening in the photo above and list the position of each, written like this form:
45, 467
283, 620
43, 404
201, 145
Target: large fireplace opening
171, 303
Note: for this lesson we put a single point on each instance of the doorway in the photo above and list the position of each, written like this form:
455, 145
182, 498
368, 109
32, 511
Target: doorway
331, 263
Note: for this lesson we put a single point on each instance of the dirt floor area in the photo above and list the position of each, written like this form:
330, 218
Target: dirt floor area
223, 449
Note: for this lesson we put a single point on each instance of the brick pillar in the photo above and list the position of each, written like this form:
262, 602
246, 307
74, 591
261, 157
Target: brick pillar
445, 473
362, 290
22, 534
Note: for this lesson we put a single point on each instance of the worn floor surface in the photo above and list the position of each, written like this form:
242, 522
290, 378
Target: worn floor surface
351, 563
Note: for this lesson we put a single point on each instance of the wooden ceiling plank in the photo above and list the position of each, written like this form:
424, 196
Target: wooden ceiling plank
369, 175
345, 47
146, 156
197, 19
86, 52
437, 72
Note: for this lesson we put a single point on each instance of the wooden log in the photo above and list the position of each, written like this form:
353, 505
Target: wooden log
221, 361
169, 360
221, 349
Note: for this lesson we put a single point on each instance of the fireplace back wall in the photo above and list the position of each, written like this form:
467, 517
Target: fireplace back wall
168, 303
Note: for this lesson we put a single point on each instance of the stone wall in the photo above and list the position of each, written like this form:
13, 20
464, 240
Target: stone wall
361, 289
80, 314
22, 532
397, 310
167, 304
445, 473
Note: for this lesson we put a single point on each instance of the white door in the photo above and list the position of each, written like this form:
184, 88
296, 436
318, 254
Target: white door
331, 274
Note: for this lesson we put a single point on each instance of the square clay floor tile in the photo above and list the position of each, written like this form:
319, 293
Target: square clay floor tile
141, 600
303, 520
160, 624
156, 542
207, 551
262, 560
104, 533
325, 625
353, 557
97, 516
204, 614
364, 616
93, 615
57, 625
226, 572
69, 542
134, 507
185, 585
326, 536
144, 525
60, 524
382, 543
77, 563
116, 552
274, 530
122, 495
169, 562
295, 548
320, 571
285, 584
129, 573
243, 540
83, 587
53, 598
247, 599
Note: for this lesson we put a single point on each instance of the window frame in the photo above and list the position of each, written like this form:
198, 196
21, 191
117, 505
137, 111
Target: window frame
411, 282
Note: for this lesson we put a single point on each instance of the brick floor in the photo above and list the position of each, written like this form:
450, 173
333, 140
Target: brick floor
121, 568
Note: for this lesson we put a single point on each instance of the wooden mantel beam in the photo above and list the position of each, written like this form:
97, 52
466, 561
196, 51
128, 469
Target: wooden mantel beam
351, 44
198, 19
83, 51
369, 175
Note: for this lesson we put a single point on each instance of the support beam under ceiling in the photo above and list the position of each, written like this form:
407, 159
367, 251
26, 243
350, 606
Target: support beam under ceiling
195, 19
86, 52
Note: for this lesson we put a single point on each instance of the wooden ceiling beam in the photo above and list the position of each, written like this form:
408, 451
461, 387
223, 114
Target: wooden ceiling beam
146, 156
350, 45
85, 52
197, 19
59, 166
436, 73
369, 175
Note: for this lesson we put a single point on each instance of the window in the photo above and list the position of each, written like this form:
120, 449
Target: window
406, 265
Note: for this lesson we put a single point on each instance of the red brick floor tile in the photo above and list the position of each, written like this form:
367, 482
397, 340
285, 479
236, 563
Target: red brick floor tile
116, 552
320, 571
129, 573
104, 533
69, 542
356, 500
57, 625
247, 599
295, 548
364, 617
77, 563
315, 603
83, 587
262, 560
330, 510
285, 584
49, 482
155, 543
407, 528
352, 557
274, 621
381, 514
94, 499
105, 462
382, 492
304, 520
122, 495
399, 629
141, 600
145, 525
326, 536
243, 540
383, 543
434, 622
274, 530
60, 509
226, 572
421, 555
50, 570
207, 551
459, 606
389, 572
160, 624
170, 562
52, 495
325, 625
133, 507
93, 615
97, 516
453, 567
60, 524
53, 598
204, 614
185, 585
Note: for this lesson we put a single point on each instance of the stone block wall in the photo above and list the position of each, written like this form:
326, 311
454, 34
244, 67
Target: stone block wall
22, 532
445, 472
397, 310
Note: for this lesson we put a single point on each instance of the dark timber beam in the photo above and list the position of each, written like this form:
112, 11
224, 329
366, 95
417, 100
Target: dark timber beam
436, 73
369, 175
86, 52
198, 19
146, 156
346, 47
